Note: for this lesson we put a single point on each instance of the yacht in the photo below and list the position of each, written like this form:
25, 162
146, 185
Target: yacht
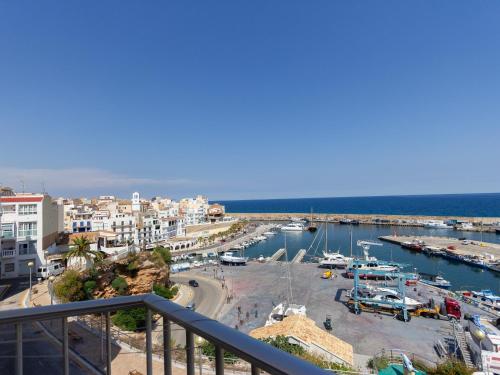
293, 227
385, 297
436, 224
484, 343
487, 297
260, 238
435, 280
334, 260
261, 259
283, 310
229, 258
269, 233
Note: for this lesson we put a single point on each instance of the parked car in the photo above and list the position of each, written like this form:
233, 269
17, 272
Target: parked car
191, 306
193, 283
44, 271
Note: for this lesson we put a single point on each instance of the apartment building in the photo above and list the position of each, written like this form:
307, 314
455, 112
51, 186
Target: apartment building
194, 210
28, 229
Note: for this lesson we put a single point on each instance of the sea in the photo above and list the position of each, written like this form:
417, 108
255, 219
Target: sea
462, 276
469, 205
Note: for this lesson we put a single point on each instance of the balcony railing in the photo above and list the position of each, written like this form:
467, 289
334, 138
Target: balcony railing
261, 356
8, 253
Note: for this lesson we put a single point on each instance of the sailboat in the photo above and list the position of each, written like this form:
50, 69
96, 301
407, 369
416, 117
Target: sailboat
312, 225
332, 260
286, 308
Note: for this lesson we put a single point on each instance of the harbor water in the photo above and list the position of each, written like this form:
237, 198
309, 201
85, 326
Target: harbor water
462, 276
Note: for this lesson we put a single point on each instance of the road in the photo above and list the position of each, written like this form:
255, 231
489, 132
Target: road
208, 299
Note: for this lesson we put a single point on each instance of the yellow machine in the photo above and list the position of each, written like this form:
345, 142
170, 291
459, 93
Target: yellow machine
327, 275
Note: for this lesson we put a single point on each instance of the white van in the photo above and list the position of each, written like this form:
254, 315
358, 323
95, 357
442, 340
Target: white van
44, 271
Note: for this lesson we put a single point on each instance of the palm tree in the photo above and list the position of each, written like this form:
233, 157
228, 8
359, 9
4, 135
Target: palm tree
80, 248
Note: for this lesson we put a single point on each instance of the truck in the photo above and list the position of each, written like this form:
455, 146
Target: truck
450, 309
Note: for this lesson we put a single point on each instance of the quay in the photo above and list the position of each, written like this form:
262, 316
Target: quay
299, 256
277, 255
479, 224
467, 248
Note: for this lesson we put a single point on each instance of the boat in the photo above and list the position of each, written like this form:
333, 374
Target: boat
435, 280
260, 238
293, 227
494, 266
384, 297
229, 258
312, 227
436, 224
432, 250
414, 245
261, 259
237, 247
484, 343
349, 221
269, 233
334, 260
283, 310
487, 297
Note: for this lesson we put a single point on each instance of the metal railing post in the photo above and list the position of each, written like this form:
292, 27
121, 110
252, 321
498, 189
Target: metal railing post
255, 370
108, 344
189, 353
167, 353
219, 360
149, 343
65, 351
19, 348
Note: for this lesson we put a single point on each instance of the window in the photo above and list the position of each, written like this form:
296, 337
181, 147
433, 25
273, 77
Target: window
10, 267
7, 231
27, 209
27, 248
27, 229
8, 208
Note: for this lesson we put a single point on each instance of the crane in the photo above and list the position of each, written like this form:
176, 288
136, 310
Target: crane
365, 245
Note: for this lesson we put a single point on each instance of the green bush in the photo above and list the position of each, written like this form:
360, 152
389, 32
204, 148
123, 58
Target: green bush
163, 253
451, 367
132, 268
281, 342
120, 285
89, 287
378, 363
130, 319
165, 292
70, 287
208, 349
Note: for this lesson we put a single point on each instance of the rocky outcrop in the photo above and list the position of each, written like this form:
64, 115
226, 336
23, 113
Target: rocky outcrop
140, 280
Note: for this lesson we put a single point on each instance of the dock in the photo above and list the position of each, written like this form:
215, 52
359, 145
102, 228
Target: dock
460, 250
299, 256
277, 255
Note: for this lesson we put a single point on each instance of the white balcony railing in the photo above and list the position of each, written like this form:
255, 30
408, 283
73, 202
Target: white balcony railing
8, 253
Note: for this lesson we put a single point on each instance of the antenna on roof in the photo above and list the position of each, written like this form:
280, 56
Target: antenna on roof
22, 185
43, 187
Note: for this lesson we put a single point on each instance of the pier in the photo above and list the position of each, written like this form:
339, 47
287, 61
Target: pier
299, 256
277, 255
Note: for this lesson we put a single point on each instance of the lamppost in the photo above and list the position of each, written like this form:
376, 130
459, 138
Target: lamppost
199, 341
51, 288
30, 265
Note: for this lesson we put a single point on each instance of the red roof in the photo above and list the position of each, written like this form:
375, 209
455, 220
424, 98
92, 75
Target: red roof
15, 199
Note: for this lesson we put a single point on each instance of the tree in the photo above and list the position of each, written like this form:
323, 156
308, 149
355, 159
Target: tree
69, 288
80, 249
163, 253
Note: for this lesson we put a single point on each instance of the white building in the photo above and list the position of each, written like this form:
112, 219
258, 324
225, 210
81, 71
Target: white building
194, 210
28, 228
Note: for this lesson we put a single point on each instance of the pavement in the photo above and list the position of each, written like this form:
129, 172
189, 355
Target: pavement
39, 350
256, 288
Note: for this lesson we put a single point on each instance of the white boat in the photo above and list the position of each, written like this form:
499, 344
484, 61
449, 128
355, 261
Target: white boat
385, 297
269, 234
261, 259
436, 224
487, 297
293, 227
283, 310
298, 220
261, 238
484, 343
229, 258
335, 260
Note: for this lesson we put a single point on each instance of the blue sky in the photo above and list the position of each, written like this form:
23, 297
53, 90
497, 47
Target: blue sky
250, 99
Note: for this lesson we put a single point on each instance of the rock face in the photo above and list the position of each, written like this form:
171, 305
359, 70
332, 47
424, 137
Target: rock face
140, 280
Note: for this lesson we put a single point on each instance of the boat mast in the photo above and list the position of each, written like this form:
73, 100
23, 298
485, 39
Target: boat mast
289, 277
350, 235
326, 236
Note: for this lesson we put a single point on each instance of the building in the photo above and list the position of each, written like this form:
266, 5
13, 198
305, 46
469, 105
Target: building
29, 229
194, 210
215, 213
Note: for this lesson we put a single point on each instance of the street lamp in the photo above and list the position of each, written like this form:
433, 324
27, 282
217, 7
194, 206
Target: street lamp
30, 265
199, 341
51, 288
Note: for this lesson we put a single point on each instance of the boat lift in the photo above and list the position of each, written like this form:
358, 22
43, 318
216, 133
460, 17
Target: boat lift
357, 301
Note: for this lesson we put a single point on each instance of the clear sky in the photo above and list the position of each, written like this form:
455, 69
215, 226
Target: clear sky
250, 99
